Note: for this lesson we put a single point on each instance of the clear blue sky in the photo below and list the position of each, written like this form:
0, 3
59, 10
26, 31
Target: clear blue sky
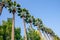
47, 10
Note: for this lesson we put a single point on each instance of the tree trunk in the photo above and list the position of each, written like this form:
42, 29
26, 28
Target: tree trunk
40, 34
51, 37
31, 31
45, 35
48, 36
1, 7
13, 25
31, 26
25, 34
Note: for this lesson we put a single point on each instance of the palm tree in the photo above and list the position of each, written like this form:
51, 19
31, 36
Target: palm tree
29, 19
37, 22
48, 31
51, 33
23, 13
46, 34
12, 9
43, 31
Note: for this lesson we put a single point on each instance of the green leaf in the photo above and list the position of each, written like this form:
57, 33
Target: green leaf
10, 4
19, 8
18, 5
19, 11
10, 10
24, 9
8, 1
14, 3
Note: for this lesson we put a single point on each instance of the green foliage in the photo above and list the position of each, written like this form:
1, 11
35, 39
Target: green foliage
1, 31
22, 12
19, 10
5, 31
14, 3
56, 37
18, 5
33, 34
17, 34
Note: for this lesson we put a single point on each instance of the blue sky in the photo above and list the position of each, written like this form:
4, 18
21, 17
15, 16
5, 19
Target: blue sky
47, 10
